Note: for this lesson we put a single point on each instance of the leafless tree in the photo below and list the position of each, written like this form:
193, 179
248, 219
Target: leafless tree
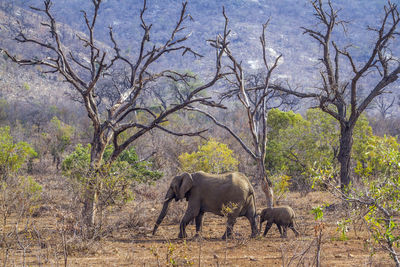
256, 99
86, 75
341, 97
384, 105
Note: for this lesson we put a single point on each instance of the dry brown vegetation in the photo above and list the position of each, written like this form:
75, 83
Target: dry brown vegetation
51, 236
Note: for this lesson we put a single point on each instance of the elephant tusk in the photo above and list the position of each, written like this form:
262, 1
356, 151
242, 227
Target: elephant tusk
168, 199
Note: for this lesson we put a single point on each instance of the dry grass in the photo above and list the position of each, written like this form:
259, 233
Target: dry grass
127, 241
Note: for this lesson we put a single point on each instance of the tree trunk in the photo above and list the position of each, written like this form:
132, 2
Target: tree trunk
90, 197
88, 211
346, 143
266, 184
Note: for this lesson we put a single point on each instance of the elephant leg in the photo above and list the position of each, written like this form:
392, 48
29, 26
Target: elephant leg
267, 227
199, 222
285, 231
280, 229
190, 214
291, 226
229, 227
253, 224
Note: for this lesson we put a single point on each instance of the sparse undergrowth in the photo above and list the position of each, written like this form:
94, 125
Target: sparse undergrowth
129, 241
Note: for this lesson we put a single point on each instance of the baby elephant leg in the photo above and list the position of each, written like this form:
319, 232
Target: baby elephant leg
267, 227
291, 226
280, 230
285, 231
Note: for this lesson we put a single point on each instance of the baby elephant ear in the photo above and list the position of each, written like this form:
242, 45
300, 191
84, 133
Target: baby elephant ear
187, 183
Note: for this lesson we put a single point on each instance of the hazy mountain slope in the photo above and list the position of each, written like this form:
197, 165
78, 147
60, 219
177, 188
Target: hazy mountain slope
300, 52
246, 17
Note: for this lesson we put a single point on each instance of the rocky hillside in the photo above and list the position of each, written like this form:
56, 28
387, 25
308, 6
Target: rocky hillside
300, 53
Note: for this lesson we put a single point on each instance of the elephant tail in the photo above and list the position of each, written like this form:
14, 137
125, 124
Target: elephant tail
295, 220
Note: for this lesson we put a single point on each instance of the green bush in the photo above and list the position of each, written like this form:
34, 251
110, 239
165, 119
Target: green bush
76, 164
12, 155
59, 138
212, 157
379, 169
19, 194
306, 148
115, 181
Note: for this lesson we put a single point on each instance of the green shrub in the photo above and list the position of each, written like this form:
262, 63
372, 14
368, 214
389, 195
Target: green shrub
306, 148
115, 181
12, 155
19, 194
212, 157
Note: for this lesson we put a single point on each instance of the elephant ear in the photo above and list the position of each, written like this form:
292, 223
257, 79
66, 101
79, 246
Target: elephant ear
175, 184
186, 185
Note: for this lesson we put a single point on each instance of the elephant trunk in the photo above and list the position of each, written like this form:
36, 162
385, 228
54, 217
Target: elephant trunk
258, 221
162, 214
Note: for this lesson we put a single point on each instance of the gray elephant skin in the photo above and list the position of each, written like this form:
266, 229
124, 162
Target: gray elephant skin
282, 216
208, 193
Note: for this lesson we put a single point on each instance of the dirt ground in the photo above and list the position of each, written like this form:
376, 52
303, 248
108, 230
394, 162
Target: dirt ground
133, 245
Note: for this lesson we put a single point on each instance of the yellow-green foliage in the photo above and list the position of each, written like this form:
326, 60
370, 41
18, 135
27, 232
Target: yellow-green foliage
115, 180
342, 228
379, 170
26, 86
61, 136
306, 148
381, 154
19, 194
176, 254
212, 157
281, 183
3, 110
229, 208
12, 155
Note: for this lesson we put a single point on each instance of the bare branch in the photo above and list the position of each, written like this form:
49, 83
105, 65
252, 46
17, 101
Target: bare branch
198, 133
220, 124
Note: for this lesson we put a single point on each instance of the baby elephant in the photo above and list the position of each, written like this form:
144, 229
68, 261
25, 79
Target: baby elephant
282, 216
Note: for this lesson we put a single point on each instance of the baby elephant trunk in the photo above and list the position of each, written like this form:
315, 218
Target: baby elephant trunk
162, 215
258, 221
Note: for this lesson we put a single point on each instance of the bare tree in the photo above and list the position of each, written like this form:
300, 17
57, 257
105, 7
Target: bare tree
256, 99
86, 76
384, 105
341, 97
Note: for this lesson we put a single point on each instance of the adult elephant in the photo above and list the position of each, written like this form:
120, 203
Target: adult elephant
208, 193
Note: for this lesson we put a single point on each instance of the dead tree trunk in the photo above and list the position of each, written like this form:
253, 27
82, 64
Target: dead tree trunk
255, 99
266, 184
344, 156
